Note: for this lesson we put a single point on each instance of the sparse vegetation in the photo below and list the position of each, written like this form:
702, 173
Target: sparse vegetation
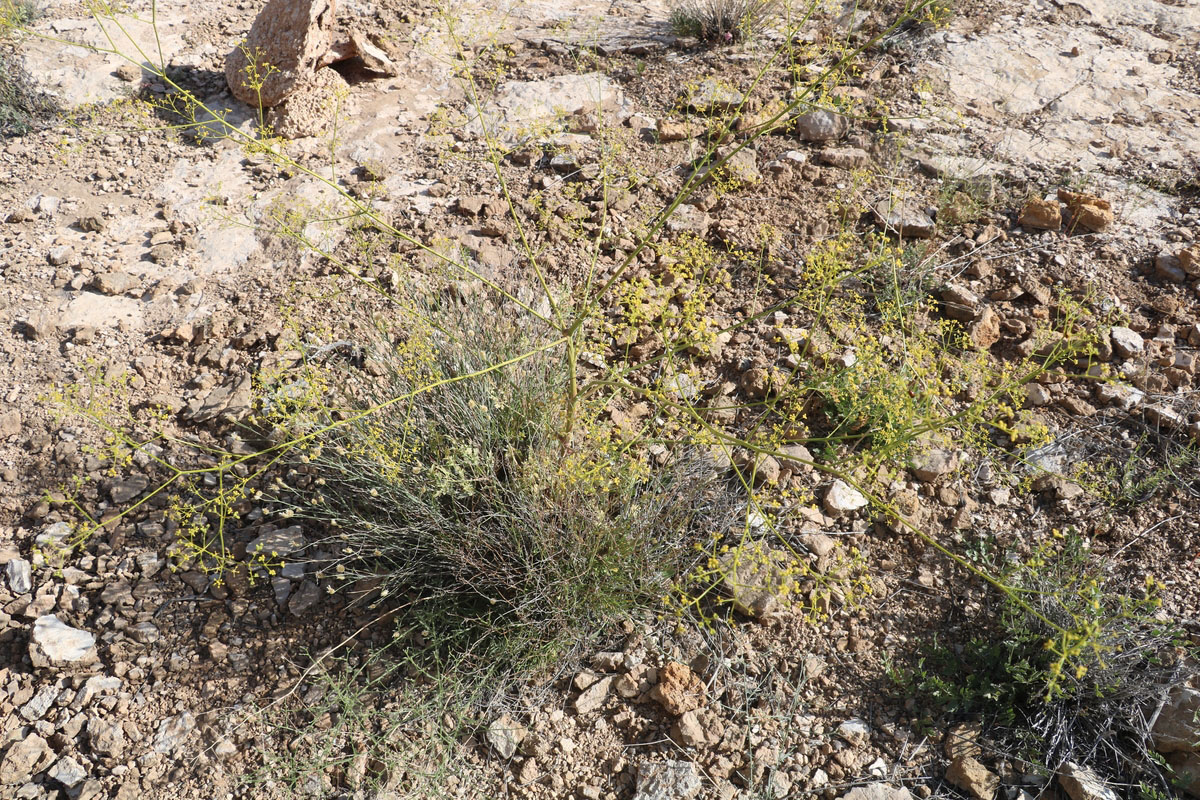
499, 464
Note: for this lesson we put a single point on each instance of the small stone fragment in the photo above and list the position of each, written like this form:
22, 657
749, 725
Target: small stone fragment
1087, 211
1080, 783
24, 758
973, 777
841, 499
505, 735
903, 218
1177, 728
1039, 213
820, 126
679, 690
20, 575
54, 644
756, 578
844, 157
933, 464
669, 780
593, 697
1127, 342
985, 331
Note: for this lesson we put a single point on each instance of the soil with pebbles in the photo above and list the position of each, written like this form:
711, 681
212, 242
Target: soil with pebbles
145, 257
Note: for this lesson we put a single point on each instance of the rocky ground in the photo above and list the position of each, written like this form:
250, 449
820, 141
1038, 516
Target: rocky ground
149, 260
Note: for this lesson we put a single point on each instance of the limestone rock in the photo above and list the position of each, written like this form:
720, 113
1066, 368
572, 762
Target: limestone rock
669, 131
669, 780
54, 644
1127, 342
877, 791
1087, 211
1080, 783
844, 157
755, 578
24, 759
903, 218
1039, 213
1189, 260
20, 577
710, 95
820, 126
933, 464
960, 303
173, 732
593, 696
985, 331
1177, 728
312, 107
282, 542
373, 57
114, 283
679, 690
841, 499
68, 772
973, 777
287, 42
504, 735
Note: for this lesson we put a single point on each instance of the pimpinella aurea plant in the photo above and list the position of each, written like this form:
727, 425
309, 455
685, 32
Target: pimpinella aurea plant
1088, 695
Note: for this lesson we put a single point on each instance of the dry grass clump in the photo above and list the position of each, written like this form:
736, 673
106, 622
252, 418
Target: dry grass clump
722, 21
461, 491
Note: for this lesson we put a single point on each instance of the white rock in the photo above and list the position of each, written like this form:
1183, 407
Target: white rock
668, 780
1080, 783
55, 644
68, 772
841, 498
173, 731
1127, 342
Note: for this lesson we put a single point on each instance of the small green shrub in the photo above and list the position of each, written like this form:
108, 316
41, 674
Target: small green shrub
721, 21
1084, 692
461, 489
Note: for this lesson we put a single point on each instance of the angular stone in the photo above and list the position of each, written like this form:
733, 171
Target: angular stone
68, 772
312, 106
972, 777
114, 283
669, 780
286, 45
54, 644
20, 575
933, 464
373, 57
960, 303
24, 759
903, 218
591, 698
985, 331
173, 732
126, 490
1080, 783
711, 95
1087, 211
1189, 260
820, 126
875, 791
841, 499
1127, 342
844, 157
505, 735
1040, 213
755, 577
305, 598
106, 737
1177, 728
679, 690
280, 543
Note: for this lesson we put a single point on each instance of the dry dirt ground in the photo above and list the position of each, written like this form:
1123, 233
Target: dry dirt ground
135, 254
